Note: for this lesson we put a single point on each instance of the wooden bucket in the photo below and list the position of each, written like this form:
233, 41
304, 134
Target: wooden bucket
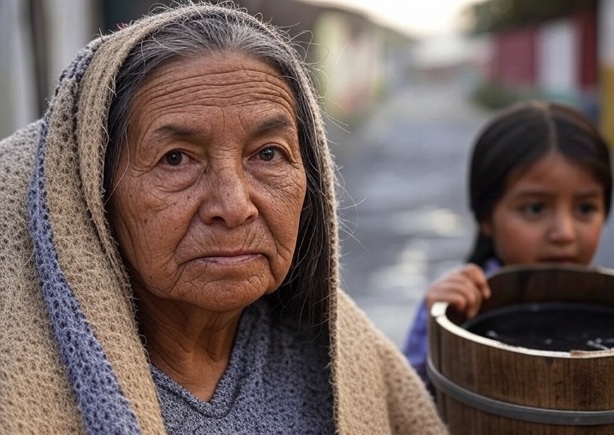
485, 386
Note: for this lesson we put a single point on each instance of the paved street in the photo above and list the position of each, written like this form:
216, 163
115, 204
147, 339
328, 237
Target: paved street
404, 212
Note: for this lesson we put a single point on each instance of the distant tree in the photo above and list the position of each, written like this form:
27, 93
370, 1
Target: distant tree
498, 15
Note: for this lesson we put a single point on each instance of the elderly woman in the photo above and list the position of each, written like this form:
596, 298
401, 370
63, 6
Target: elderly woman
169, 252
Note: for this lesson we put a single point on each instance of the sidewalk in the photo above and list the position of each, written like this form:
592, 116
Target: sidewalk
404, 211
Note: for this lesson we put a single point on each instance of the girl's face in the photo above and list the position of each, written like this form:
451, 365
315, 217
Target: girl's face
552, 213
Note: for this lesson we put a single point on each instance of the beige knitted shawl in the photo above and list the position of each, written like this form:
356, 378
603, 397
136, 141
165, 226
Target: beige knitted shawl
375, 391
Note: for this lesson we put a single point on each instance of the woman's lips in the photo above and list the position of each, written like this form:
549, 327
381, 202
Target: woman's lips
231, 259
228, 259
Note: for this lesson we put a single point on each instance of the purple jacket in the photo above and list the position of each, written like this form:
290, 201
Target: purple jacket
416, 344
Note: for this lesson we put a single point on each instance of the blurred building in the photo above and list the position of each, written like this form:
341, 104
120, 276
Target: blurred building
605, 36
555, 49
353, 58
37, 40
555, 59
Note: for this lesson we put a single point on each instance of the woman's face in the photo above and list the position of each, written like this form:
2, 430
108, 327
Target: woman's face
210, 184
552, 213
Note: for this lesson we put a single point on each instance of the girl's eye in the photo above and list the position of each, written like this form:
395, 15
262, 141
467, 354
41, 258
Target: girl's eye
173, 158
534, 208
587, 208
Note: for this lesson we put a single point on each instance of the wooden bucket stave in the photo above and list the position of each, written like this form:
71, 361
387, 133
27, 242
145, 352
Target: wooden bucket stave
487, 387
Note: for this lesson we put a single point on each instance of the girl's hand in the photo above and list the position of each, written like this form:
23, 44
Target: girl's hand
463, 288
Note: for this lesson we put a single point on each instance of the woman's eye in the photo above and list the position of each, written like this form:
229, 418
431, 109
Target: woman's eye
267, 154
173, 158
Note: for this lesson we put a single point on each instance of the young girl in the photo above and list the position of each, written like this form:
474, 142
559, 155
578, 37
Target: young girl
540, 188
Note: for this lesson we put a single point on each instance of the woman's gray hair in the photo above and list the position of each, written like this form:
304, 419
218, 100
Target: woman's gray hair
305, 292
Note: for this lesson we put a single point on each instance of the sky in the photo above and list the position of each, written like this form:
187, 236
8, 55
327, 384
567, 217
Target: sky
421, 18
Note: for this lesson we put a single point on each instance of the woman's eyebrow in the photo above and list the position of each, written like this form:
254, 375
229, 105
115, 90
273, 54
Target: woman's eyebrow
276, 123
172, 130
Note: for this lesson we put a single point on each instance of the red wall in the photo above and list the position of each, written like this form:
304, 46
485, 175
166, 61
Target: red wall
586, 25
514, 57
513, 61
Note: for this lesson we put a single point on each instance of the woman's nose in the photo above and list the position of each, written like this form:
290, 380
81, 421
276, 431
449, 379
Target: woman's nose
227, 198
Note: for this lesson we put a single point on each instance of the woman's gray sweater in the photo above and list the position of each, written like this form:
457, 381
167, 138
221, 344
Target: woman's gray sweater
276, 383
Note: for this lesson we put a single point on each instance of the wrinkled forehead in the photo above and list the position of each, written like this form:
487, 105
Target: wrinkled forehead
219, 78
211, 97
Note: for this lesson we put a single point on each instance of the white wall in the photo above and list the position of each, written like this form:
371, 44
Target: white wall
350, 62
17, 105
605, 27
557, 58
69, 23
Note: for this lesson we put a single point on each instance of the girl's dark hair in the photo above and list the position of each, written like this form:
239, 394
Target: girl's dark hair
517, 138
